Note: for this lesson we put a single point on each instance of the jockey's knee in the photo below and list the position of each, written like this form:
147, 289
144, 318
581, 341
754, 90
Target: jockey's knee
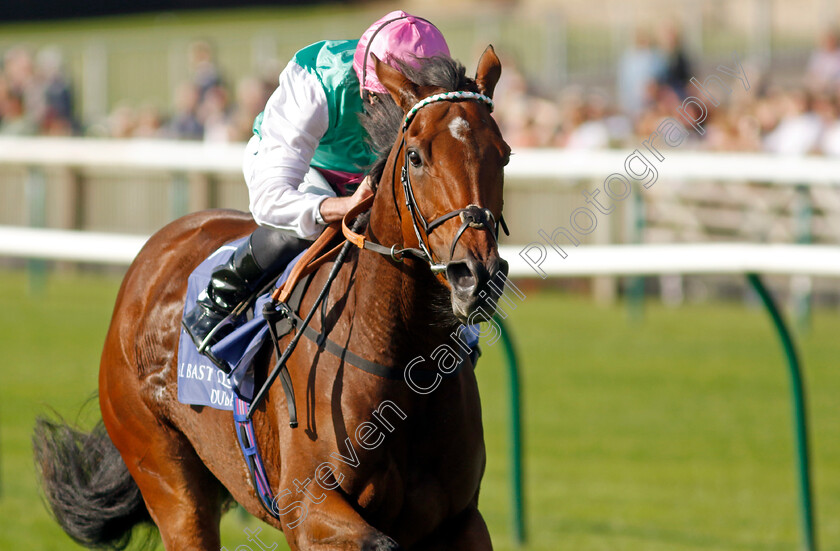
273, 249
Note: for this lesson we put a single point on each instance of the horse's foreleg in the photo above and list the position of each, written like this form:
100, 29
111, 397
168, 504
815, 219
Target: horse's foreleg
334, 524
465, 531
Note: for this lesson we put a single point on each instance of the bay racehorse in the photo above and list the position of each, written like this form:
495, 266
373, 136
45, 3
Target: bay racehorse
402, 468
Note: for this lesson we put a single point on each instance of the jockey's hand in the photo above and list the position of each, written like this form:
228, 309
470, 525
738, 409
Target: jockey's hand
333, 209
362, 192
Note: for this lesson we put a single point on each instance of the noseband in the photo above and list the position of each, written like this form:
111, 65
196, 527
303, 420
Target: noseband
472, 216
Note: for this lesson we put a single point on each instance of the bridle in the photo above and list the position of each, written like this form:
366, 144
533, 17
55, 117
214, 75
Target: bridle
472, 216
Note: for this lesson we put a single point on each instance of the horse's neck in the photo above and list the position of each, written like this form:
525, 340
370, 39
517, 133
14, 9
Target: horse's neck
398, 306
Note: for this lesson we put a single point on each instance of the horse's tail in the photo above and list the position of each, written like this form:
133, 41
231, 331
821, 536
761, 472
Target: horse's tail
87, 485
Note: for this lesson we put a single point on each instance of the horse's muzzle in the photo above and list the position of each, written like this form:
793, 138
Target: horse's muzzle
476, 286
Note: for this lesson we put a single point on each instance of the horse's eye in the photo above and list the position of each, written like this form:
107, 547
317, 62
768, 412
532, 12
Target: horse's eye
414, 158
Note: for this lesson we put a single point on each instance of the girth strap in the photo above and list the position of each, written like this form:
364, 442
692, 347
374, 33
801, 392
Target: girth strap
346, 355
368, 366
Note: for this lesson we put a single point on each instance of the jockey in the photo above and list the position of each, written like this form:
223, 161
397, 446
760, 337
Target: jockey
304, 165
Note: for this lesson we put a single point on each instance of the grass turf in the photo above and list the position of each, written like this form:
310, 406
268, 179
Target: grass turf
670, 432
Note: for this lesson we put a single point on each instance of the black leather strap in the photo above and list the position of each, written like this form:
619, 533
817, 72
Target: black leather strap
280, 323
283, 322
384, 371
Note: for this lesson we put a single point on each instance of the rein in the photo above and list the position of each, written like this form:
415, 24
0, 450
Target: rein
472, 216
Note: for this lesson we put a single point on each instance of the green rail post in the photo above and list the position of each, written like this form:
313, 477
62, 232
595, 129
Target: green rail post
179, 195
636, 284
800, 418
801, 289
36, 198
516, 471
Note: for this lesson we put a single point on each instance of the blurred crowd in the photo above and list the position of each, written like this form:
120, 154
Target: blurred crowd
36, 98
35, 95
652, 80
204, 107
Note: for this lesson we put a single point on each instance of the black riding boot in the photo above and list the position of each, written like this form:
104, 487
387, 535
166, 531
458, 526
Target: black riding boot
230, 284
238, 279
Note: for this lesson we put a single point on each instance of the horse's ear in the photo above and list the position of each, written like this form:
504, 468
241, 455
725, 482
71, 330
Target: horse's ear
401, 88
488, 72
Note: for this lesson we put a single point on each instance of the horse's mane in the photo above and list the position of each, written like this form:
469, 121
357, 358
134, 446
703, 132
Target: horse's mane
384, 117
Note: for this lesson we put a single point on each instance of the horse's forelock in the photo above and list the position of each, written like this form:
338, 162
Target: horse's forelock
439, 71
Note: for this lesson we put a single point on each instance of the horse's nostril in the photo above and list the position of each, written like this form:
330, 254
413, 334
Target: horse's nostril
461, 277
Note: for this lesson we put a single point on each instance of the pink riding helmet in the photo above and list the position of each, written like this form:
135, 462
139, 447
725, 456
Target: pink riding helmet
397, 35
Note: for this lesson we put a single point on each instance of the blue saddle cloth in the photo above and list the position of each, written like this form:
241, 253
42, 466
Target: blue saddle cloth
199, 381
203, 384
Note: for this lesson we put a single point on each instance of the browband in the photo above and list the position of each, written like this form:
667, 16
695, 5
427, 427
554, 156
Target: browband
445, 96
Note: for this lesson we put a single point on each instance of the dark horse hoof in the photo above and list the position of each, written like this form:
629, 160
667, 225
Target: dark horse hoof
380, 543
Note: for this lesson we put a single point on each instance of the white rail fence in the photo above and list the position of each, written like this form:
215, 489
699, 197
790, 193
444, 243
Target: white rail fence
181, 157
561, 167
594, 260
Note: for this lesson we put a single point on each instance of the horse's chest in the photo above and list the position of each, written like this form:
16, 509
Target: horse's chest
431, 472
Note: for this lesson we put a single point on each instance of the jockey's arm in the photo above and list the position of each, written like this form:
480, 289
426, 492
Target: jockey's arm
295, 119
